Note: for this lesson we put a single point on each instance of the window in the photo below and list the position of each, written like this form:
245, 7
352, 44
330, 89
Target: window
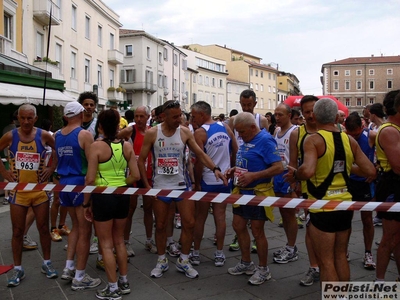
39, 45
207, 81
128, 50
165, 82
269, 76
347, 85
160, 80
347, 101
346, 72
261, 74
389, 84
160, 58
221, 101
149, 79
262, 103
58, 56
371, 100
251, 72
112, 41
148, 53
256, 86
273, 76
371, 72
256, 73
358, 72
359, 101
213, 104
274, 89
112, 80
358, 85
73, 65
335, 73
213, 82
200, 79
183, 87
73, 20
165, 54
269, 89
261, 87
389, 72
175, 87
99, 75
194, 78
87, 27
187, 76
371, 84
221, 83
99, 36
87, 70
8, 26
128, 75
251, 85
175, 59
336, 85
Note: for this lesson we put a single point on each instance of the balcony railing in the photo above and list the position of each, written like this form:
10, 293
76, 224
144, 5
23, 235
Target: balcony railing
115, 57
41, 12
140, 86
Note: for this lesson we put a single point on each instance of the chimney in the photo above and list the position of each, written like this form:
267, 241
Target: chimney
372, 55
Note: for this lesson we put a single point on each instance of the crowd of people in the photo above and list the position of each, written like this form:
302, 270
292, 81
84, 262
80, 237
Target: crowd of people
316, 152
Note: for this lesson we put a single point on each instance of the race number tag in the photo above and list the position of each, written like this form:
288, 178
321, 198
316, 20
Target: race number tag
27, 161
167, 166
238, 171
338, 166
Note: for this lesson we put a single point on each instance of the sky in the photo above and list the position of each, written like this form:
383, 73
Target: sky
297, 36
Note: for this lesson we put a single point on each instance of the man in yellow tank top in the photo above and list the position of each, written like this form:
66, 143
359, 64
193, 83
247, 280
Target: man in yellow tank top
388, 187
328, 159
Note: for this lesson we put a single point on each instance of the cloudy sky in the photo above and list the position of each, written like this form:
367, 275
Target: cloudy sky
297, 35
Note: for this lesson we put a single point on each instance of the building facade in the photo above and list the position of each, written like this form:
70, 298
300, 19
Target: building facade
288, 85
83, 48
359, 81
206, 79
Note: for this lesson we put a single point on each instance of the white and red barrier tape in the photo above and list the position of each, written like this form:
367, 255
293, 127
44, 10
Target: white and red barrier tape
210, 197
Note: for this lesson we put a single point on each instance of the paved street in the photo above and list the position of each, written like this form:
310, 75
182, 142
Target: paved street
213, 283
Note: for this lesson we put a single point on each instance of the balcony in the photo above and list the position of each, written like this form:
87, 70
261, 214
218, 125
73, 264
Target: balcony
49, 67
166, 91
115, 57
41, 12
115, 96
145, 87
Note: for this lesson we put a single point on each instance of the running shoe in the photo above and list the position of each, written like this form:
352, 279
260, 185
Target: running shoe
241, 268
29, 244
94, 247
55, 235
377, 221
185, 266
278, 252
287, 256
369, 263
310, 277
219, 260
68, 274
150, 246
261, 275
100, 264
173, 250
124, 287
87, 282
161, 267
194, 259
129, 249
106, 294
16, 277
299, 223
178, 221
49, 270
234, 246
6, 201
64, 230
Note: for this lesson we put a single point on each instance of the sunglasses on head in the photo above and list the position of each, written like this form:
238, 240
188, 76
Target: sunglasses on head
172, 104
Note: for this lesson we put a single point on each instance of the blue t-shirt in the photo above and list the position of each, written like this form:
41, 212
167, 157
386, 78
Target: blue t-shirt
368, 151
257, 155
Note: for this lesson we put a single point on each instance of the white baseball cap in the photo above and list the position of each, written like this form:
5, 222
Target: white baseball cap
73, 109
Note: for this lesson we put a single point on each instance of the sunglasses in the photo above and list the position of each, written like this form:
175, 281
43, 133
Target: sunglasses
172, 104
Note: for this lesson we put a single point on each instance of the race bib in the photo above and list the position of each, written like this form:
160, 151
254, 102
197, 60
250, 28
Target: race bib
27, 161
167, 166
238, 171
338, 166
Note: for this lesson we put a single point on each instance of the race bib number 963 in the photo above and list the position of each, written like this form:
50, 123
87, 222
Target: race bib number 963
27, 161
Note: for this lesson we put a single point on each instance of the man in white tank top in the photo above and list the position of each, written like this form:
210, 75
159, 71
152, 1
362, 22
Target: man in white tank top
168, 142
283, 113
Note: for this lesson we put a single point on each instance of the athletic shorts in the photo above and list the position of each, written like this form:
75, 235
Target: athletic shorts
220, 188
388, 190
250, 212
28, 198
332, 221
170, 199
280, 186
106, 207
71, 199
360, 190
139, 184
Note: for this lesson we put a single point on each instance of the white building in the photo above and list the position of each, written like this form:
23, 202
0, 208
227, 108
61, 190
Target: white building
205, 79
83, 48
233, 90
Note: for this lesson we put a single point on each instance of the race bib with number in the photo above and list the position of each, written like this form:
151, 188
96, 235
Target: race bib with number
167, 166
27, 161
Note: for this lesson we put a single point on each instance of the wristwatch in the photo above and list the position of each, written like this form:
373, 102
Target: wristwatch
86, 205
216, 168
